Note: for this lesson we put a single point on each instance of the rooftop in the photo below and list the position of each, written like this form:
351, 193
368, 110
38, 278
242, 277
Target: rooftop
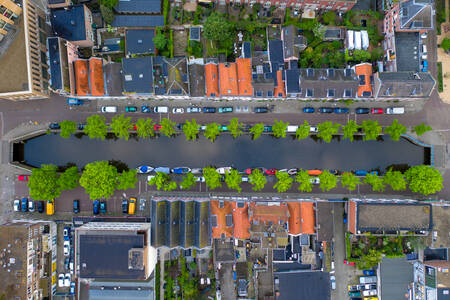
194, 33
404, 84
138, 6
212, 80
364, 73
396, 274
139, 41
276, 51
69, 22
228, 79
55, 63
244, 72
137, 21
325, 225
81, 77
407, 51
113, 78
137, 74
197, 80
416, 14
221, 219
96, 76
241, 220
264, 212
307, 215
301, 284
177, 79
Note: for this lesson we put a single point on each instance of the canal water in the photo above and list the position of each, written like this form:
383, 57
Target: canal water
241, 153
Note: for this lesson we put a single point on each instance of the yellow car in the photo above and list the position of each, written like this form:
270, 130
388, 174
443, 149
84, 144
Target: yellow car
50, 207
353, 288
132, 206
370, 298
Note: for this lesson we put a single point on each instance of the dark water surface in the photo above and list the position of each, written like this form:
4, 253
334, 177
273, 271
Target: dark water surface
240, 153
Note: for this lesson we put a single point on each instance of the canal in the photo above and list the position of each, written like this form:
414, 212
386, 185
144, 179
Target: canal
240, 153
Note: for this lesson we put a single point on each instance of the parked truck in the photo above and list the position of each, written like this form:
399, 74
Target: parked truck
367, 279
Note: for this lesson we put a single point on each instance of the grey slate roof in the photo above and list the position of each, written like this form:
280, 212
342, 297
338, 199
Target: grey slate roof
263, 80
197, 80
292, 81
415, 14
247, 50
177, 77
130, 290
276, 51
137, 74
395, 276
325, 221
55, 63
113, 78
69, 23
406, 43
137, 21
194, 34
140, 41
138, 6
403, 84
303, 284
293, 43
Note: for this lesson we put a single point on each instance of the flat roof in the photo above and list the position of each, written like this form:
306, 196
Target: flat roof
396, 274
55, 63
303, 285
138, 75
197, 80
105, 255
113, 78
407, 51
140, 41
137, 21
69, 22
138, 6
395, 216
194, 33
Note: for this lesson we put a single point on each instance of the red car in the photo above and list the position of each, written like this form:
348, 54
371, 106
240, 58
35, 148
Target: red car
351, 263
248, 171
23, 177
157, 127
271, 171
377, 111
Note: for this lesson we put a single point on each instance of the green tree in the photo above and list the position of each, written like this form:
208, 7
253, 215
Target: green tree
319, 31
329, 17
145, 128
327, 129
235, 127
395, 180
305, 181
349, 181
212, 178
303, 131
371, 129
445, 44
424, 179
212, 131
167, 127
163, 181
375, 181
395, 130
327, 181
188, 181
160, 40
121, 126
43, 183
67, 128
99, 179
279, 129
421, 129
284, 182
69, 179
376, 54
350, 129
107, 14
217, 28
109, 3
369, 260
257, 179
257, 130
96, 127
191, 129
127, 180
233, 180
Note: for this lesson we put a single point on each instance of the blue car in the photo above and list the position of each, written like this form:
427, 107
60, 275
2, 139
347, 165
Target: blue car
66, 233
368, 272
309, 110
360, 173
24, 205
210, 110
181, 170
145, 109
103, 207
74, 101
96, 207
425, 66
162, 170
341, 110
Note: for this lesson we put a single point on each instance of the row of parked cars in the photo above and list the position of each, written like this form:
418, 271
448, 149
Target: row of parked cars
28, 205
65, 279
359, 110
178, 110
366, 289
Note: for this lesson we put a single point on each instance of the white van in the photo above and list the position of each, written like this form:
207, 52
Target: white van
160, 109
109, 109
424, 49
292, 128
395, 110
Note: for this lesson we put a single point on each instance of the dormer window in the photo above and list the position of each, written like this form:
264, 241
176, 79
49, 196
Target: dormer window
330, 92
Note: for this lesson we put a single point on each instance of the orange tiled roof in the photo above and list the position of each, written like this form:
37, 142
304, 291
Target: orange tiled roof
96, 76
241, 221
221, 213
279, 89
294, 218
364, 69
265, 213
307, 217
352, 216
228, 79
212, 80
244, 72
81, 77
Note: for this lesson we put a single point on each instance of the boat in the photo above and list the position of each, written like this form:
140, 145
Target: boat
181, 170
292, 171
144, 169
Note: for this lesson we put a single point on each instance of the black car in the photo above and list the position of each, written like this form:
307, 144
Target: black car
40, 206
260, 110
362, 110
76, 206
54, 126
341, 110
180, 126
67, 263
325, 110
81, 126
210, 110
125, 206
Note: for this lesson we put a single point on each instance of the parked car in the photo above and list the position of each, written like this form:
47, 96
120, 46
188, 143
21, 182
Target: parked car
66, 263
333, 282
223, 170
260, 110
145, 109
16, 205
178, 110
54, 126
353, 287
160, 109
376, 111
40, 206
315, 180
199, 179
223, 128
124, 206
369, 272
24, 204
267, 128
132, 206
76, 206
244, 178
74, 101
157, 127
362, 110
360, 173
424, 66
23, 177
193, 109
210, 110
341, 110
271, 171
197, 171
109, 109
96, 207
81, 126
103, 207
326, 110
50, 207
30, 205
354, 294
66, 248
350, 263
226, 109
67, 280
313, 129
61, 280
181, 170
66, 233
72, 288
130, 109
368, 286
369, 293
367, 279
309, 110
293, 171
395, 110
162, 170
144, 169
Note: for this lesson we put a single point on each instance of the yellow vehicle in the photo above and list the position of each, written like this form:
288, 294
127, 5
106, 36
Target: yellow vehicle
50, 207
370, 298
132, 206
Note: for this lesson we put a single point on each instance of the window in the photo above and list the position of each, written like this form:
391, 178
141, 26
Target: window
44, 72
347, 93
387, 92
42, 37
41, 22
310, 72
330, 72
362, 79
259, 94
330, 92
269, 94
43, 57
280, 94
309, 92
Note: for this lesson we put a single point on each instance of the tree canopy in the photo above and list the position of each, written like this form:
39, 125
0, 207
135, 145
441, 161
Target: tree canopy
67, 128
327, 129
212, 178
371, 129
350, 129
96, 127
160, 40
257, 179
120, 126
395, 130
305, 181
212, 131
327, 181
145, 128
235, 127
127, 180
43, 183
69, 179
424, 179
257, 130
350, 181
218, 28
99, 179
422, 128
284, 182
163, 181
279, 129
375, 181
191, 130
303, 131
188, 181
233, 180
395, 180
167, 127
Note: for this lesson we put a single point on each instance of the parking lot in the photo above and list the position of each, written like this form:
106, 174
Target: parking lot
65, 259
